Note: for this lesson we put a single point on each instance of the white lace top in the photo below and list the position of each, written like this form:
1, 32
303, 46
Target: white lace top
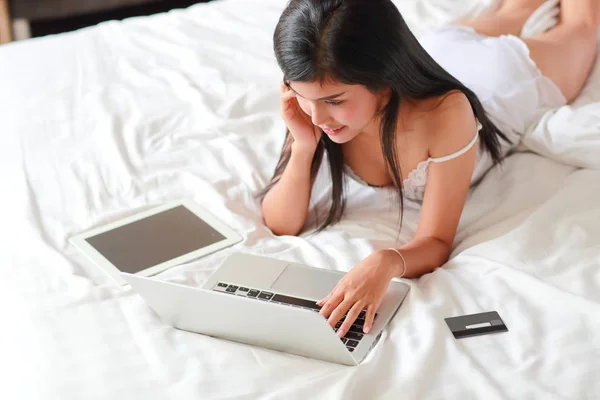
416, 181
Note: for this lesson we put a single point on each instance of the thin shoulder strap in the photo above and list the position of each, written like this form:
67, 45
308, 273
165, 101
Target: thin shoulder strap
461, 151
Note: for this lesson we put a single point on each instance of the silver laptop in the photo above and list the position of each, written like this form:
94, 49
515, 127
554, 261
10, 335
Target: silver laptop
269, 303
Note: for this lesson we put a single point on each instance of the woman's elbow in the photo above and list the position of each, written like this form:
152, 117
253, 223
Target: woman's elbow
281, 229
444, 252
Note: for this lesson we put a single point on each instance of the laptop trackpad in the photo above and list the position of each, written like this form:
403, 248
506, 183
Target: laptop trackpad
305, 282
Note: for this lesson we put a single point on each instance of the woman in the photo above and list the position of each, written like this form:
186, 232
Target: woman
390, 110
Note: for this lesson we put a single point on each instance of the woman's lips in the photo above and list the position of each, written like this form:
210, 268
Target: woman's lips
333, 132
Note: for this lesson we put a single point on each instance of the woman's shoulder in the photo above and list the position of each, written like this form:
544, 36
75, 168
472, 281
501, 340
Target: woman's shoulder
450, 125
435, 110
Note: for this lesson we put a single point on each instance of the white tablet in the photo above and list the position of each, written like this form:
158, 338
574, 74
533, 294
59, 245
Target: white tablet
151, 241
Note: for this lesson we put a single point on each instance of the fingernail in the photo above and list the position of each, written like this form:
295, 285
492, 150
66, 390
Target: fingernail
367, 329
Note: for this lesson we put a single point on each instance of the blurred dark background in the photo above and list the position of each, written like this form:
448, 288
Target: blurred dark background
43, 17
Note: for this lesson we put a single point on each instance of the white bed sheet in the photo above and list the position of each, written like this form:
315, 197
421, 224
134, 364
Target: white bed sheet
107, 121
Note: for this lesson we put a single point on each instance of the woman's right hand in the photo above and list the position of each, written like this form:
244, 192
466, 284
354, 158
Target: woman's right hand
305, 134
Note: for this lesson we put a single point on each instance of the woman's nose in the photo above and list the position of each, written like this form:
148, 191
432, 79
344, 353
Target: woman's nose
318, 117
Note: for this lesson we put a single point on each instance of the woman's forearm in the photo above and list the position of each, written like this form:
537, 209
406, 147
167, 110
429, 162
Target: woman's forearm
422, 255
285, 207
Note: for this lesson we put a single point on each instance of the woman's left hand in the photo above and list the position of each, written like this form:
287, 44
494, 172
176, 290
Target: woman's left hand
360, 289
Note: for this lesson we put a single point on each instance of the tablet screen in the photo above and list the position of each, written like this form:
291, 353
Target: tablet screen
155, 239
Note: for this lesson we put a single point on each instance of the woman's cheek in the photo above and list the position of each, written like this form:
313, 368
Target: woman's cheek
304, 106
345, 115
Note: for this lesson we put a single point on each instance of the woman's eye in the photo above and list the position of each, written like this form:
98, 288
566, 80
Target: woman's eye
333, 103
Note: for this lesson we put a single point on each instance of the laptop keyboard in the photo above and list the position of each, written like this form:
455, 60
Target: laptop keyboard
352, 337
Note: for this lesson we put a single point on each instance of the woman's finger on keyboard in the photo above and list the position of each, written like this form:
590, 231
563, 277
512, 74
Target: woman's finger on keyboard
339, 312
350, 318
334, 300
369, 317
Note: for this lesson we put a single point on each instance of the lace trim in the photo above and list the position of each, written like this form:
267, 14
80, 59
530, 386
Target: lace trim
411, 184
416, 180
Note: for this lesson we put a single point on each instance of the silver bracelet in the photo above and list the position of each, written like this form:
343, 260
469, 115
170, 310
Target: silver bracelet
403, 260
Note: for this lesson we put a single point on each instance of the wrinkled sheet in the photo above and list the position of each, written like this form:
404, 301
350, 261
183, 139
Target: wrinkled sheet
107, 121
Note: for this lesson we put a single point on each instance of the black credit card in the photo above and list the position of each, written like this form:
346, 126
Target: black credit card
476, 324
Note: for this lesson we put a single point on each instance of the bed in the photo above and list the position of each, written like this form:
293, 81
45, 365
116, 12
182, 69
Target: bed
111, 120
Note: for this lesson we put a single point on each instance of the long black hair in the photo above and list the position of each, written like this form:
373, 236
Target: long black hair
363, 42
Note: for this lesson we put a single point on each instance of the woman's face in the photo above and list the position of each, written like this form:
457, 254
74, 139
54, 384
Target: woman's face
342, 111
